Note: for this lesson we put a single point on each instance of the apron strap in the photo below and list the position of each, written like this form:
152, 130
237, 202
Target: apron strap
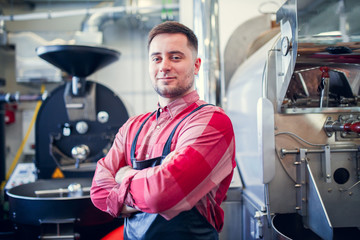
133, 145
167, 147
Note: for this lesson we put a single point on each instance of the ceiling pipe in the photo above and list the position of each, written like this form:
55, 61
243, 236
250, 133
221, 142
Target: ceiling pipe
94, 22
69, 13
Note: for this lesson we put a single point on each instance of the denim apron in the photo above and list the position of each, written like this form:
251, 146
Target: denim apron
188, 225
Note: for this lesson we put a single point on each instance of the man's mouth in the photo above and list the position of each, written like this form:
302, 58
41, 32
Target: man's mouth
165, 78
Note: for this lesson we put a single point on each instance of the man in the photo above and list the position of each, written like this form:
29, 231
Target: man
168, 171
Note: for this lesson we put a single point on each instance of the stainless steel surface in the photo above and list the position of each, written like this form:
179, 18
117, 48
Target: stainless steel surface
285, 63
300, 185
310, 75
290, 226
233, 219
266, 145
244, 41
317, 212
206, 26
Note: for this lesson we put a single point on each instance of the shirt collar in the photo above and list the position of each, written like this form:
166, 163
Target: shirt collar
180, 104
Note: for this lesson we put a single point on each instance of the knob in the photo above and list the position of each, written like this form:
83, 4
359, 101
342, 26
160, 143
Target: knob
82, 127
103, 117
80, 152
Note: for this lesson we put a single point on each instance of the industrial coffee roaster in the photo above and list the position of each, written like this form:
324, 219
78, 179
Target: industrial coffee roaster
295, 109
75, 127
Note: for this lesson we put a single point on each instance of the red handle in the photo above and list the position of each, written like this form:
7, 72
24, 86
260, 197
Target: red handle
354, 127
325, 72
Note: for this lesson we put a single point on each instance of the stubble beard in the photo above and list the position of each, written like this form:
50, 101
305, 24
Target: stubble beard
172, 92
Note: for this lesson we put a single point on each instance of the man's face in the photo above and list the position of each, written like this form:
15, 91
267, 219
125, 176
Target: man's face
172, 65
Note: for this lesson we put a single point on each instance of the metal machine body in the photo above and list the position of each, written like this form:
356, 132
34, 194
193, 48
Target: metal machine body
77, 123
75, 127
64, 128
54, 209
294, 106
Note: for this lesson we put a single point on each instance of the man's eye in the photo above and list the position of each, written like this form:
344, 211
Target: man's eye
155, 59
176, 57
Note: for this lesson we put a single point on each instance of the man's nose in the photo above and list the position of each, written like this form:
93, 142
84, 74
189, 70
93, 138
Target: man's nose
165, 66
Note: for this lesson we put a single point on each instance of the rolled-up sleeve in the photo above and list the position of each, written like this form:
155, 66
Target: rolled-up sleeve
106, 194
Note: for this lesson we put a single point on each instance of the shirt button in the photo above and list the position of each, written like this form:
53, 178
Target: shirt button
160, 110
147, 155
157, 126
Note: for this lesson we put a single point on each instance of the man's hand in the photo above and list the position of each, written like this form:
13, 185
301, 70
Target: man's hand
127, 211
120, 175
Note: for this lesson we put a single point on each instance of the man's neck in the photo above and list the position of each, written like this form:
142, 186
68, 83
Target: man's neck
165, 101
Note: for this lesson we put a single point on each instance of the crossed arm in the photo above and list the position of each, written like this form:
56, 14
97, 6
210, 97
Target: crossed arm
202, 159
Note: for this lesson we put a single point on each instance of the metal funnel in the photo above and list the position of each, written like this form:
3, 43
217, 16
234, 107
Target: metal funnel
77, 60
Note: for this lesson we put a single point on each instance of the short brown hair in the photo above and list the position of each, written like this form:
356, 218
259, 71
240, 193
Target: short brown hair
174, 27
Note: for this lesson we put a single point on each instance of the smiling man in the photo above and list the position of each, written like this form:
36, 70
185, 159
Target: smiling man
173, 64
168, 171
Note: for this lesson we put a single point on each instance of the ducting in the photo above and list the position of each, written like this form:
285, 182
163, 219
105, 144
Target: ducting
206, 27
95, 18
94, 22
89, 11
91, 27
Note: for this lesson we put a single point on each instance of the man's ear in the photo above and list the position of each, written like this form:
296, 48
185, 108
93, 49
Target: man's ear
197, 66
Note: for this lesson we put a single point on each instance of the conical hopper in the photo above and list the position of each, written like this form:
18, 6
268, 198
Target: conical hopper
77, 60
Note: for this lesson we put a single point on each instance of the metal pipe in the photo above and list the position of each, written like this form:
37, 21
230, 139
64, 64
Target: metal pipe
69, 13
94, 22
3, 33
2, 142
17, 97
206, 27
338, 150
58, 191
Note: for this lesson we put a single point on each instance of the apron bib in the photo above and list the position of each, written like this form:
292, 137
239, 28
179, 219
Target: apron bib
188, 225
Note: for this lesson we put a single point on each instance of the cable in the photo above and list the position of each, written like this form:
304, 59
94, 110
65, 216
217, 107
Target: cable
21, 148
282, 165
298, 138
301, 139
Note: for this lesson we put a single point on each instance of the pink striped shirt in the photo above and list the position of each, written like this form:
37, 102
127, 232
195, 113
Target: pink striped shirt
197, 172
